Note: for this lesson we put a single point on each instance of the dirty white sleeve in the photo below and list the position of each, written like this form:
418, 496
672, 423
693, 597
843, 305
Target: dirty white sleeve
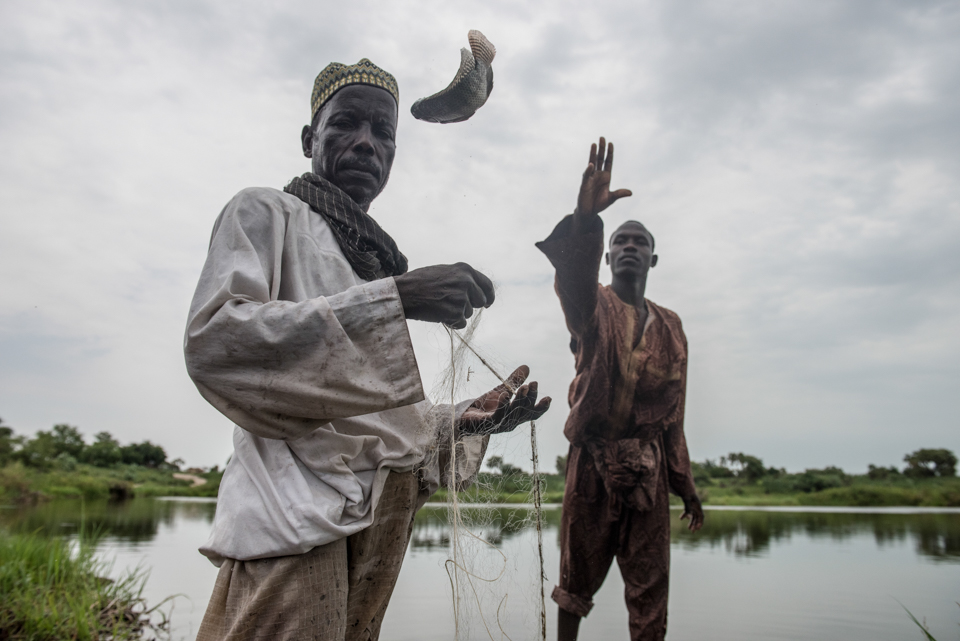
438, 466
280, 369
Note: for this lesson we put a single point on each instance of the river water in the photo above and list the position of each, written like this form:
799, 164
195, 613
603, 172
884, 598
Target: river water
750, 574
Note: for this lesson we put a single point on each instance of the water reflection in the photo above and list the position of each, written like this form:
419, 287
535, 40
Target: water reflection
133, 521
747, 533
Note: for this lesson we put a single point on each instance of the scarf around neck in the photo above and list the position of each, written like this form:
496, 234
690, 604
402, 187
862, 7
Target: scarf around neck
370, 250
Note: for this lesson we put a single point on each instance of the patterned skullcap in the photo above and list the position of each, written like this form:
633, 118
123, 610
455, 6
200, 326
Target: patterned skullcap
337, 75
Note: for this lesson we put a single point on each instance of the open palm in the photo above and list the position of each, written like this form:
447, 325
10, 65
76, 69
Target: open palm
595, 194
495, 412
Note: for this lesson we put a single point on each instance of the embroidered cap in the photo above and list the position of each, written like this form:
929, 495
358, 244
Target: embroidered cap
337, 75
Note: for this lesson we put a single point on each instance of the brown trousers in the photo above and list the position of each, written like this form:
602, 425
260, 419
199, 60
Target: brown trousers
595, 527
335, 592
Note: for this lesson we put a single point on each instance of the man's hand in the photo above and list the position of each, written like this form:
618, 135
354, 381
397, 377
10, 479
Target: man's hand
495, 413
693, 510
444, 293
595, 194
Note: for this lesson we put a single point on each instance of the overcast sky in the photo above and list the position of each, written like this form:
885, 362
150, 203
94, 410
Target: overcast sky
797, 162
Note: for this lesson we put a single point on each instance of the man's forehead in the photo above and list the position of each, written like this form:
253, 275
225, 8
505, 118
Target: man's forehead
632, 228
363, 97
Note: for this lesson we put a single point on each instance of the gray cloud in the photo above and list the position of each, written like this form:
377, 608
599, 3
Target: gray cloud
797, 163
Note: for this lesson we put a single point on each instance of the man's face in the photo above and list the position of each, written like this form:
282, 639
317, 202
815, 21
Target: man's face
353, 143
631, 252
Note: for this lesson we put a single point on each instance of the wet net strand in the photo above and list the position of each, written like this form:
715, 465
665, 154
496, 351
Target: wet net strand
456, 567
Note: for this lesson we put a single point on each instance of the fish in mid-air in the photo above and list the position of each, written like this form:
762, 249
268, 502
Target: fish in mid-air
470, 87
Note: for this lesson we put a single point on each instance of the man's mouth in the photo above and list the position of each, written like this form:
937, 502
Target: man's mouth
360, 167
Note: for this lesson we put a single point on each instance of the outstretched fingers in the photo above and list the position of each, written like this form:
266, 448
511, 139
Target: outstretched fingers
516, 379
608, 164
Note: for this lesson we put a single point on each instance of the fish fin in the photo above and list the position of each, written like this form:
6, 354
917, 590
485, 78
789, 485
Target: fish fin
467, 64
483, 49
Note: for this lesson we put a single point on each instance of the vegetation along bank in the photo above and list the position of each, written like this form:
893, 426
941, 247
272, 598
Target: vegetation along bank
59, 463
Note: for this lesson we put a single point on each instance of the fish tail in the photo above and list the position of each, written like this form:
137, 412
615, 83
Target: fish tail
483, 49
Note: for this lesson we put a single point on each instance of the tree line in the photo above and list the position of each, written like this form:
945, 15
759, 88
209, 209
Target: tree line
920, 464
64, 446
923, 463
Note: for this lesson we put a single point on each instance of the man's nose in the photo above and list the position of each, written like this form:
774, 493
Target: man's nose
363, 142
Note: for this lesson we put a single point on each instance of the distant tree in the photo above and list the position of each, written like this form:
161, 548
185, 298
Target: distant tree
881, 473
45, 448
506, 469
930, 462
105, 451
38, 451
562, 465
8, 444
718, 470
146, 454
67, 440
746, 466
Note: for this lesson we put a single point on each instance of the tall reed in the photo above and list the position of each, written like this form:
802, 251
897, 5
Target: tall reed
53, 588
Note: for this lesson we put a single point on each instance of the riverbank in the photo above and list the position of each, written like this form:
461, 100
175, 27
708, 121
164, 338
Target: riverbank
858, 491
21, 484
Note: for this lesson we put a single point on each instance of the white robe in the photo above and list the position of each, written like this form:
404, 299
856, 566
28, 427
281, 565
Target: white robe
316, 368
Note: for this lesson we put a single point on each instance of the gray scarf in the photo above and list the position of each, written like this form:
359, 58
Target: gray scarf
372, 253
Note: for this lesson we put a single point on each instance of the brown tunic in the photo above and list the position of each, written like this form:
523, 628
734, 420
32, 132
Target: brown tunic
627, 447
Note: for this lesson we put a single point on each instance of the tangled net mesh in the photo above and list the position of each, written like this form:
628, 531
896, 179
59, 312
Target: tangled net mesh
495, 594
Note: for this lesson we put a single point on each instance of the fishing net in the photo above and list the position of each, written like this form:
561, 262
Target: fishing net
496, 592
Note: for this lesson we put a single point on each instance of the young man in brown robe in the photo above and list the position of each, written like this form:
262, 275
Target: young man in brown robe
627, 447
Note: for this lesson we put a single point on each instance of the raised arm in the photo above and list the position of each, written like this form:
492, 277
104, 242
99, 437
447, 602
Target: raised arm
595, 195
576, 245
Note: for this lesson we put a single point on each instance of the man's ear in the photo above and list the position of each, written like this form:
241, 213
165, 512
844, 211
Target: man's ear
306, 141
653, 261
606, 257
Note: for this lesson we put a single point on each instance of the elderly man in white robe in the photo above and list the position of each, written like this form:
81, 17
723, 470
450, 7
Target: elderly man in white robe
297, 333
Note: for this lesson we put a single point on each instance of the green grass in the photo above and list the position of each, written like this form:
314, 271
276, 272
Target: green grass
54, 589
859, 491
19, 484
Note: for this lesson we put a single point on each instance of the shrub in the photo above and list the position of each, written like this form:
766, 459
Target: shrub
881, 473
146, 454
778, 485
813, 480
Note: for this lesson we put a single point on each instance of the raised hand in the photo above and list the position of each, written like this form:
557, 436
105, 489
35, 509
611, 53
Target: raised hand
444, 293
495, 413
693, 510
595, 194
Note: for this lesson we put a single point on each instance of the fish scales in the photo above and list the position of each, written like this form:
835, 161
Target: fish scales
469, 89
